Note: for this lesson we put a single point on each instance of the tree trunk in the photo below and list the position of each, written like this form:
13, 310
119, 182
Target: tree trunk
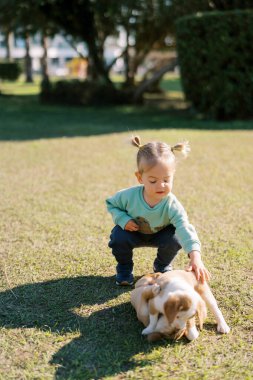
44, 66
28, 60
8, 42
157, 75
96, 67
136, 61
129, 78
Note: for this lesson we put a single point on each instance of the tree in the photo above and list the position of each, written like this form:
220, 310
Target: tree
92, 21
146, 23
26, 19
7, 25
87, 21
143, 15
20, 15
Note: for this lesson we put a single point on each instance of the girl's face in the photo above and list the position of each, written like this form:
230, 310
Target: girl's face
157, 181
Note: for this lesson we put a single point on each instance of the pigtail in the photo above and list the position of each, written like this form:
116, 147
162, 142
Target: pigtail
182, 147
136, 141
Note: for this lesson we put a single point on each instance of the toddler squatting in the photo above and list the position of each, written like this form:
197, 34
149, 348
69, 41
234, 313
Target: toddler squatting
149, 215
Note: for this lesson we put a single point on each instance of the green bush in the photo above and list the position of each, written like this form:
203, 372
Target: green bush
86, 93
182, 8
9, 71
216, 59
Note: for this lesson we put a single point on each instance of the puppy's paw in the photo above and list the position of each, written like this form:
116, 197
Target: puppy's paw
223, 328
147, 331
156, 289
192, 333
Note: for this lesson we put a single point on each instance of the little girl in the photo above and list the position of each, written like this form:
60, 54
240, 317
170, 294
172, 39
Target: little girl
149, 215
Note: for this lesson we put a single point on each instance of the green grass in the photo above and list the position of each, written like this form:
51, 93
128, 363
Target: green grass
60, 314
171, 83
20, 87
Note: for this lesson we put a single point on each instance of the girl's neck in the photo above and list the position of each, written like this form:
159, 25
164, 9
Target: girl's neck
151, 202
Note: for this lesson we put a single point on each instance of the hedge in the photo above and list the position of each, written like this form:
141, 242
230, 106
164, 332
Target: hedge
9, 71
83, 93
215, 52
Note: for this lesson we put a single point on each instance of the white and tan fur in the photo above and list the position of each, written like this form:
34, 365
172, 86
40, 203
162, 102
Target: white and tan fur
145, 289
181, 297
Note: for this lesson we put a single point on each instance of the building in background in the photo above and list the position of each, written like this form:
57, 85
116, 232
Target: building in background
65, 60
62, 59
59, 52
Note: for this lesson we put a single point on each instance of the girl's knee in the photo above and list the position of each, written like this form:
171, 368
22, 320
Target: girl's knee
171, 245
175, 246
119, 238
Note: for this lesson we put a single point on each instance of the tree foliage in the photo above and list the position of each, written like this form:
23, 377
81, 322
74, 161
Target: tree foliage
146, 24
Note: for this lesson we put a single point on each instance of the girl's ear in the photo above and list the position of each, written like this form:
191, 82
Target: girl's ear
138, 176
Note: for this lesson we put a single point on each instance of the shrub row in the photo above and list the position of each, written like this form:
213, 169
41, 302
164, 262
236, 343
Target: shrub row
83, 93
9, 71
216, 59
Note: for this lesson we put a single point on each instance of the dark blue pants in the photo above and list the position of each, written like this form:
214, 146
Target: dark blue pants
123, 242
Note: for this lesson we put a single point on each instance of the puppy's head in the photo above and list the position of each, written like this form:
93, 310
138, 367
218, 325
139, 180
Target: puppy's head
178, 309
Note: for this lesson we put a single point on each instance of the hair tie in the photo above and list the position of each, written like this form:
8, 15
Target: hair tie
182, 147
136, 141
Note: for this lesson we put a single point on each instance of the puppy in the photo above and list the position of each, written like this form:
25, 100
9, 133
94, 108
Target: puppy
146, 288
180, 299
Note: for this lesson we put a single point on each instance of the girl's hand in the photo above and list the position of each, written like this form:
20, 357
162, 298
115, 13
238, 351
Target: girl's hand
197, 266
131, 226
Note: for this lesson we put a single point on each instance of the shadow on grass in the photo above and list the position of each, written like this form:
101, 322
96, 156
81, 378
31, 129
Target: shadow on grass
24, 118
109, 337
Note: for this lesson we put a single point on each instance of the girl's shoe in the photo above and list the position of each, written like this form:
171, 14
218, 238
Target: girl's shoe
124, 276
126, 281
162, 268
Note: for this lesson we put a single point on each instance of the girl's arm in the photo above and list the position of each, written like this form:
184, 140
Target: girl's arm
189, 240
185, 231
115, 206
197, 266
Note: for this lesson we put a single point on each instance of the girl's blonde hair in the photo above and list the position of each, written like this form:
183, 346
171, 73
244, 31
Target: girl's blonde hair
154, 151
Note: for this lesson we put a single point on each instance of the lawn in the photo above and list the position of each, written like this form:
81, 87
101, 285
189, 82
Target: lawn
61, 316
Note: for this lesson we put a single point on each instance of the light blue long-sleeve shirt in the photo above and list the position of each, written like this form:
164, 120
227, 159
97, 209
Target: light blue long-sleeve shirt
129, 204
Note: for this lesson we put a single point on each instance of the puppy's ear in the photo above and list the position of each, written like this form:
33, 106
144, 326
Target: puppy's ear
202, 313
171, 307
175, 304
